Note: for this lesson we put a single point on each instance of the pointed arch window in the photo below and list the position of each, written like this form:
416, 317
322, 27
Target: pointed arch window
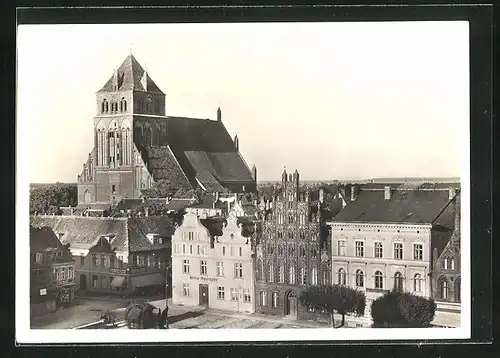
271, 273
302, 251
292, 275
260, 269
104, 106
314, 276
281, 278
341, 277
360, 278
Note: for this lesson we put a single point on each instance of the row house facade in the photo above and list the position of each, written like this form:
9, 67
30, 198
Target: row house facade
51, 272
292, 252
385, 238
123, 256
210, 267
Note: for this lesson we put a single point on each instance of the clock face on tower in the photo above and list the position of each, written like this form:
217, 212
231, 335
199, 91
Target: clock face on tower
149, 98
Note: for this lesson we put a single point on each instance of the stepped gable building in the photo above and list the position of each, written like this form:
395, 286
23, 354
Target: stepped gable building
213, 264
137, 249
52, 272
393, 236
293, 249
136, 144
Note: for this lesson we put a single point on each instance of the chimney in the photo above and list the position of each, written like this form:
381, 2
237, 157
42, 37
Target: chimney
353, 193
254, 172
321, 195
219, 115
146, 212
387, 193
451, 193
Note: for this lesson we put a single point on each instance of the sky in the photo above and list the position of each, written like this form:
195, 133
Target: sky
335, 101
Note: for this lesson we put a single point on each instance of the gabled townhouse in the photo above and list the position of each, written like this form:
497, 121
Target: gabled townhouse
51, 272
212, 266
115, 255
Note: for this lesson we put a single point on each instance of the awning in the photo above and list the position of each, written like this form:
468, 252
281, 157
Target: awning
148, 280
446, 319
118, 281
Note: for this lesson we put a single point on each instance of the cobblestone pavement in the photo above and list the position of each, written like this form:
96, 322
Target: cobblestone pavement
83, 311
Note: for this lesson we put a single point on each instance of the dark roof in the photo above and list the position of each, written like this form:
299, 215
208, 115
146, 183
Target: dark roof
214, 225
130, 74
206, 202
139, 228
178, 204
404, 206
42, 238
162, 164
128, 204
102, 245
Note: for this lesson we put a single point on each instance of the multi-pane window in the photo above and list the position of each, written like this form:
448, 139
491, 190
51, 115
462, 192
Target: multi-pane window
398, 281
240, 251
418, 252
314, 276
223, 251
263, 298
290, 235
417, 283
234, 294
94, 281
341, 245
280, 234
270, 249
190, 236
220, 269
103, 260
341, 278
190, 249
291, 250
238, 270
220, 293
270, 274
94, 260
313, 252
247, 297
379, 280
203, 267
398, 251
303, 276
185, 266
444, 289
281, 274
452, 261
280, 250
275, 299
292, 275
186, 291
302, 251
149, 261
360, 248
360, 278
379, 250
183, 249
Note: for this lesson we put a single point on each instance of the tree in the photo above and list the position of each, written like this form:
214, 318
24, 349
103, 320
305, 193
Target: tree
334, 298
47, 199
403, 309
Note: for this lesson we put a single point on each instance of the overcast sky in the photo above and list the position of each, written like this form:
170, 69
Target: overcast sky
333, 100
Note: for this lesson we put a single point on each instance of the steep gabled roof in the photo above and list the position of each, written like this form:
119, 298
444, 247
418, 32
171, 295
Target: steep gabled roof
162, 164
130, 74
139, 228
42, 238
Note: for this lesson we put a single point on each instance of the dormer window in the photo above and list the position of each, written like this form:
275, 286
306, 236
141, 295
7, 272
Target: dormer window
155, 239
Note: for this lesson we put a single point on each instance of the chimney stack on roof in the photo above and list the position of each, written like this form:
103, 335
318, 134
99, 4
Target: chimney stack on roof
236, 142
387, 193
219, 114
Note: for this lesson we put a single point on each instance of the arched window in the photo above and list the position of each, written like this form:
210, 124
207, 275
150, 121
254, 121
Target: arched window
126, 144
281, 273
360, 278
398, 281
270, 249
291, 250
313, 252
292, 275
157, 106
259, 269
104, 106
280, 250
341, 278
417, 283
271, 273
303, 276
444, 289
87, 196
314, 276
290, 235
302, 251
379, 280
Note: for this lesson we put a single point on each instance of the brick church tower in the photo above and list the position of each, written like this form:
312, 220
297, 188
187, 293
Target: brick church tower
136, 144
114, 169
